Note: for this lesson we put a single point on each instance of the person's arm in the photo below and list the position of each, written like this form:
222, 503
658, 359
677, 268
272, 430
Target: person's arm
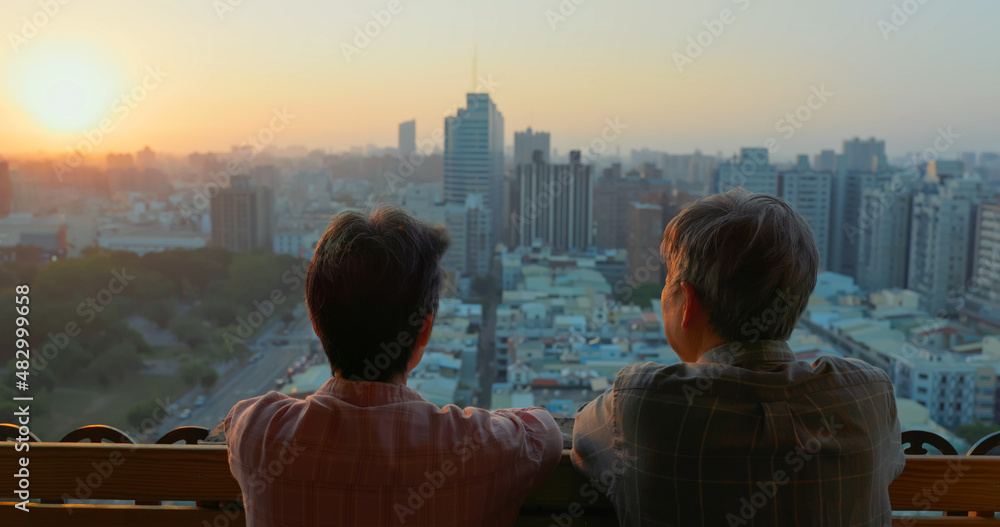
593, 433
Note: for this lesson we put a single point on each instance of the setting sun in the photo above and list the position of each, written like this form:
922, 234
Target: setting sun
64, 85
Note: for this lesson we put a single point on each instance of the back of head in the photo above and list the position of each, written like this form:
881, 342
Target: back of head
750, 258
374, 279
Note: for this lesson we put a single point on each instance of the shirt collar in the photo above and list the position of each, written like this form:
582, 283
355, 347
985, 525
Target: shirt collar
736, 353
367, 393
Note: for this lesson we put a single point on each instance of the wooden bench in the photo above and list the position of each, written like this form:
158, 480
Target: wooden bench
200, 473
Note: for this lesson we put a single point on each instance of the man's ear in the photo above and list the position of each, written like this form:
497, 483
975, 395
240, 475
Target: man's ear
422, 339
692, 306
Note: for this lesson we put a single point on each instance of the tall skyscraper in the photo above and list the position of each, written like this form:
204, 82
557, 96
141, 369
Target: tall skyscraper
811, 195
6, 190
613, 193
407, 138
243, 216
883, 237
525, 145
865, 156
751, 171
555, 204
474, 163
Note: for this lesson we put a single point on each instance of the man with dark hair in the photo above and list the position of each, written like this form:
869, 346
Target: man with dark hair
740, 433
365, 449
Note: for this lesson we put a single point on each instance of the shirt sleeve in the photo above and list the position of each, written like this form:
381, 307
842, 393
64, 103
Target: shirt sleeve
593, 433
541, 439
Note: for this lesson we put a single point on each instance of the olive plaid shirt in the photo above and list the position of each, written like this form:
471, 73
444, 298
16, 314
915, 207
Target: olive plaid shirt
745, 436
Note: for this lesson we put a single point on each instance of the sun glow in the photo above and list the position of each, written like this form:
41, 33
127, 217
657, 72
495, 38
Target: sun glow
66, 86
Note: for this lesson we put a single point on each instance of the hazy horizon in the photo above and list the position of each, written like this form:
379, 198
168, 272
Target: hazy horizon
223, 72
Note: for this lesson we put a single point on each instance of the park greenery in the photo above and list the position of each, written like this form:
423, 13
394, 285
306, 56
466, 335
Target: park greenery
84, 310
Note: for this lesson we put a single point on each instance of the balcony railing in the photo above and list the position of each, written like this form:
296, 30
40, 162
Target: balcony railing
101, 463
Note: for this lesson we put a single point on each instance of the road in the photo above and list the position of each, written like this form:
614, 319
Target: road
246, 381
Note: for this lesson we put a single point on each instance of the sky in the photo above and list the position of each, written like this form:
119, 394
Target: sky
197, 75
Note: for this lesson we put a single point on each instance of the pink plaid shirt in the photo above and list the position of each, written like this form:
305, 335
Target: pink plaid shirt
369, 453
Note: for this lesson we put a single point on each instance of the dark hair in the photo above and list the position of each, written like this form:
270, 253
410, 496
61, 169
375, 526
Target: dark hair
751, 259
372, 282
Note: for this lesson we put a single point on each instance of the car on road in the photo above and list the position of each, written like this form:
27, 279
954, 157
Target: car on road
185, 413
279, 383
256, 357
200, 401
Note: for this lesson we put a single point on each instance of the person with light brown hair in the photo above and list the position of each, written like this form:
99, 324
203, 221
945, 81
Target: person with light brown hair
740, 432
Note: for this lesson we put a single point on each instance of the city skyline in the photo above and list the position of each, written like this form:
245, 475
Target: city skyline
60, 80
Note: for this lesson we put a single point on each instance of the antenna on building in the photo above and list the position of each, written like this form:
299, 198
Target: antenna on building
475, 52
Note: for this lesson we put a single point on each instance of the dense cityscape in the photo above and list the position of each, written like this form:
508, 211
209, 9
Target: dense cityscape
553, 275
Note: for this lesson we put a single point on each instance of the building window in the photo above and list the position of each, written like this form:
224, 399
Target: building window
922, 376
921, 390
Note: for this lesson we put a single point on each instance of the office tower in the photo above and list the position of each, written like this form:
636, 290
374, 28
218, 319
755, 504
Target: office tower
943, 169
469, 226
811, 195
883, 237
802, 163
940, 243
645, 232
864, 156
555, 204
243, 216
612, 195
473, 162
407, 138
826, 161
6, 190
750, 171
849, 187
526, 143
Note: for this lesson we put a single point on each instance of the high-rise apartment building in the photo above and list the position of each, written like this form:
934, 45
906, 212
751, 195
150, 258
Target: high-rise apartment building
864, 156
849, 187
613, 193
981, 305
407, 138
883, 237
526, 143
941, 243
553, 204
469, 226
243, 216
811, 195
750, 171
826, 161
